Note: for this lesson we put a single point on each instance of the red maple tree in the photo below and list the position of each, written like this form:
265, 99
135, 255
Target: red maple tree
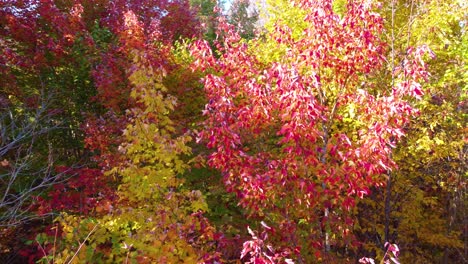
301, 138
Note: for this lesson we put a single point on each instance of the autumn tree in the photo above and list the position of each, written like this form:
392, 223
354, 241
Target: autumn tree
244, 16
207, 12
163, 217
325, 137
302, 135
422, 205
80, 55
47, 87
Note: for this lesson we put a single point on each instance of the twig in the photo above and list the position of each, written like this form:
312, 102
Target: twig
82, 243
55, 240
42, 249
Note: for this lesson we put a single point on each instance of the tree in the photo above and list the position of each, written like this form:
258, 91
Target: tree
417, 209
47, 84
300, 137
207, 12
162, 216
326, 138
79, 54
244, 16
26, 167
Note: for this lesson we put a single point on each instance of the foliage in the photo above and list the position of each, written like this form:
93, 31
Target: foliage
261, 253
208, 12
162, 217
244, 17
26, 164
425, 196
56, 48
300, 138
170, 131
390, 256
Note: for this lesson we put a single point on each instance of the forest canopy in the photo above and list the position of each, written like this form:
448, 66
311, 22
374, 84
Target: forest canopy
273, 131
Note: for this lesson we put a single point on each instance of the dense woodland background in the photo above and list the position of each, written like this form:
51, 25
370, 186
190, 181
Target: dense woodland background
171, 131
